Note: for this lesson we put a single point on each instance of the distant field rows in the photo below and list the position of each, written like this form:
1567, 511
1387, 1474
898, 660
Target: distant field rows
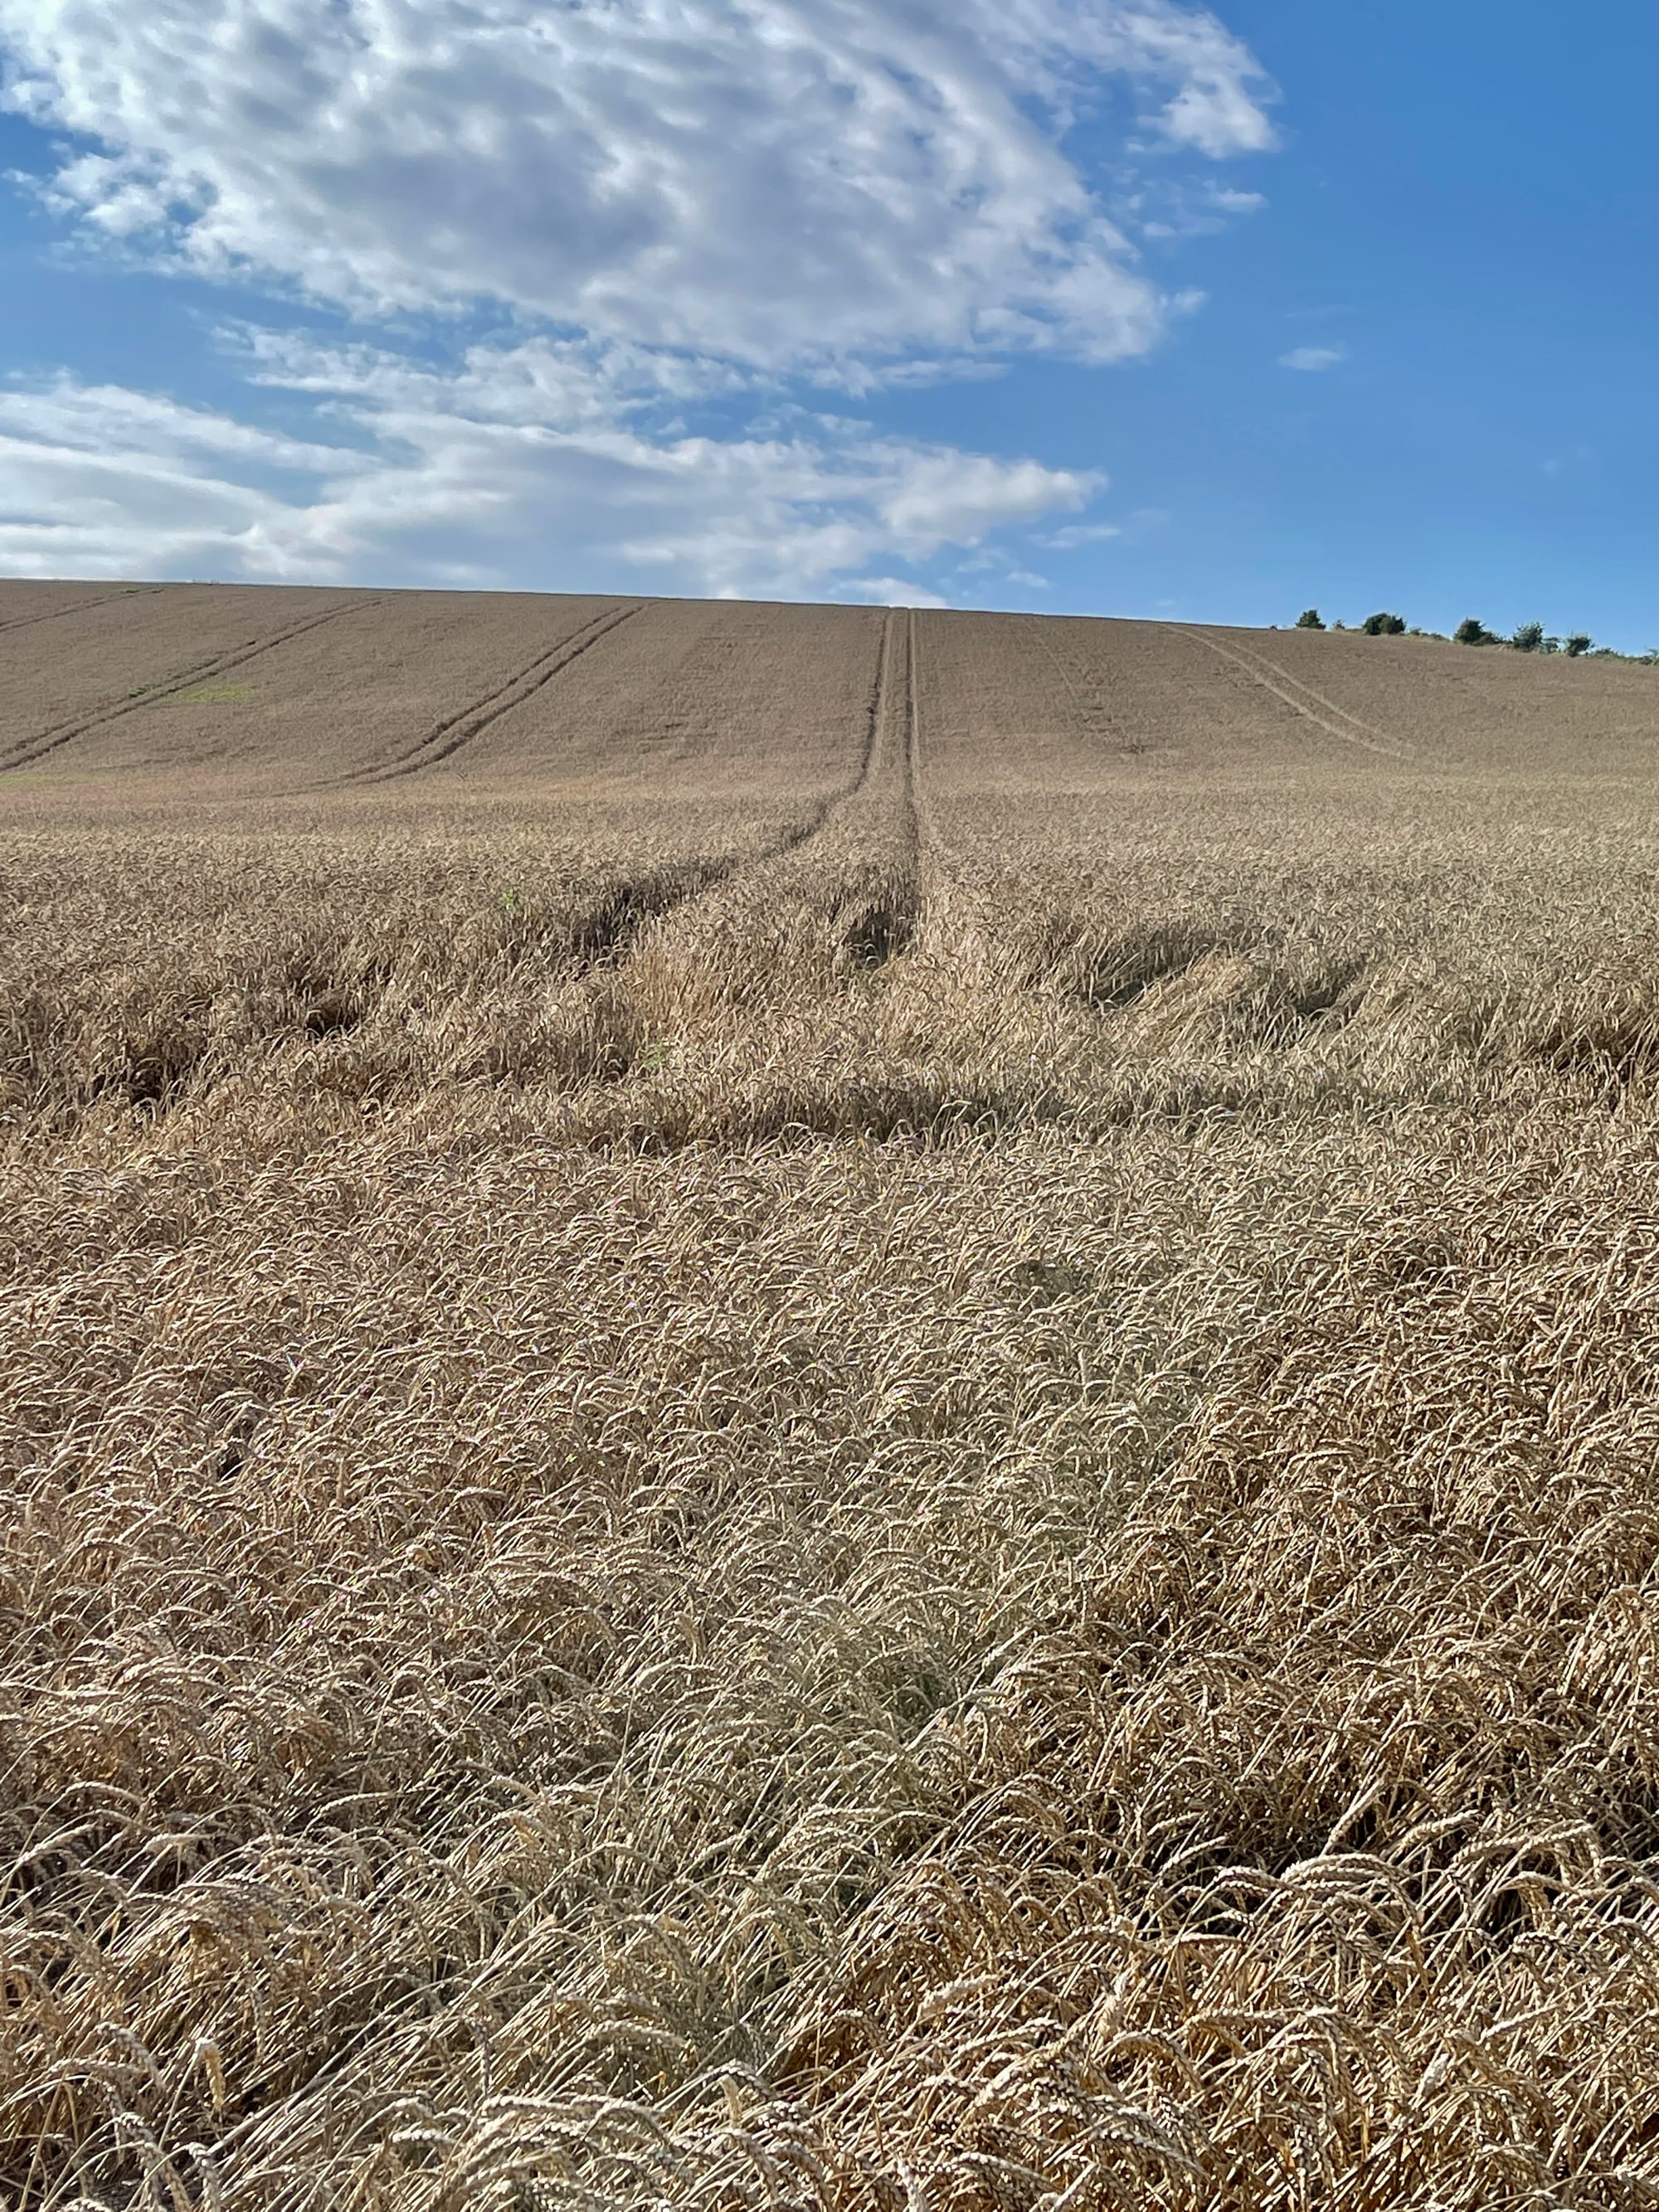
247, 690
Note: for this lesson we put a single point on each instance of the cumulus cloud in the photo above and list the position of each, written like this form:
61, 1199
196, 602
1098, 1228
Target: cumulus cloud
1214, 112
1312, 360
536, 462
752, 179
695, 217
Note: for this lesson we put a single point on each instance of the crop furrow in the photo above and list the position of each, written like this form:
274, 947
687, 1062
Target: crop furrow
79, 606
1084, 694
914, 804
607, 934
1274, 668
879, 920
602, 936
28, 751
875, 730
1271, 678
447, 737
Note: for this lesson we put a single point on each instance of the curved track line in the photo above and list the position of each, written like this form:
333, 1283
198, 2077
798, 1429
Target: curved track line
221, 664
79, 606
920, 829
878, 714
1086, 693
605, 932
918, 824
608, 934
1342, 713
446, 738
1263, 672
878, 919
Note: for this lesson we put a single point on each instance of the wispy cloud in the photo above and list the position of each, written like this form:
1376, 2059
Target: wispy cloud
1312, 360
701, 175
554, 459
1079, 533
1188, 207
653, 203
893, 591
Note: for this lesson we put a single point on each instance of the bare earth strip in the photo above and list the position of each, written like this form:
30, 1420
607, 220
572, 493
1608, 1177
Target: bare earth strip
823, 1408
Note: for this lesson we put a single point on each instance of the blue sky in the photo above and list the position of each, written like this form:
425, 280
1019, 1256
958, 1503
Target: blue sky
991, 302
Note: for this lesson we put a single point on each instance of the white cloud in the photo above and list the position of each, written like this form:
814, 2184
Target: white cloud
1313, 359
954, 497
858, 180
695, 215
1079, 533
1214, 112
1186, 207
555, 463
94, 418
893, 591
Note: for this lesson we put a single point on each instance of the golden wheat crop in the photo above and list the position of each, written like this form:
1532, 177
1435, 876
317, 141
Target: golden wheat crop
934, 1493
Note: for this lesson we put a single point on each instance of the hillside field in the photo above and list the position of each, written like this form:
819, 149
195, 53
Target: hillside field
822, 1408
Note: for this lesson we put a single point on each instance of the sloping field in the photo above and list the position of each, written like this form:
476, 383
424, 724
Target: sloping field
92, 665
23, 604
818, 1408
1504, 711
241, 690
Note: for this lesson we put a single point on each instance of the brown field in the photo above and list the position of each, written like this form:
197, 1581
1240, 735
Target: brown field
820, 1409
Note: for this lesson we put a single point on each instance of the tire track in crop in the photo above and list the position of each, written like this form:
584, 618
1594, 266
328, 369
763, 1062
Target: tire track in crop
880, 920
606, 933
27, 751
1357, 722
875, 717
447, 737
874, 925
79, 606
877, 737
1086, 693
918, 828
1349, 727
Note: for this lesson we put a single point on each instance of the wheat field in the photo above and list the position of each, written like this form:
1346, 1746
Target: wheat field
818, 1408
